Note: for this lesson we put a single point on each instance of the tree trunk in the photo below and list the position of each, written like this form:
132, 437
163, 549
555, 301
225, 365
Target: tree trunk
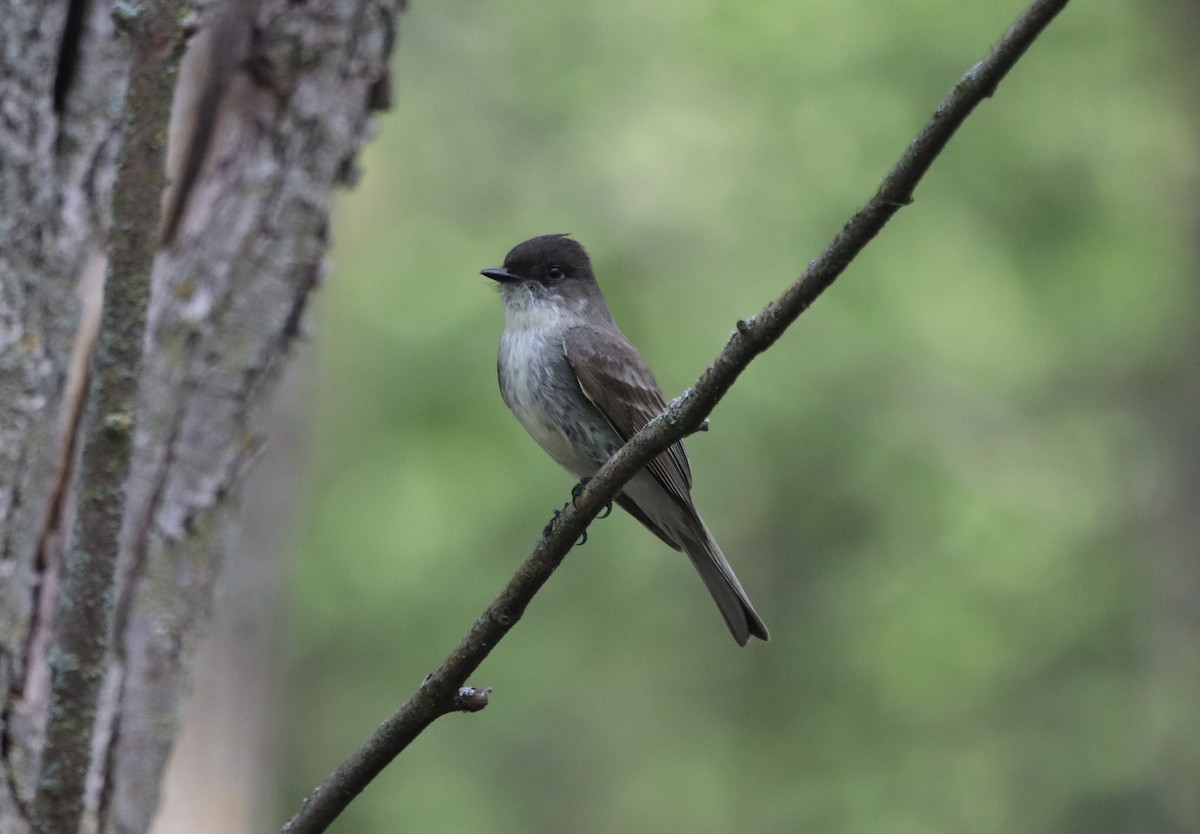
272, 105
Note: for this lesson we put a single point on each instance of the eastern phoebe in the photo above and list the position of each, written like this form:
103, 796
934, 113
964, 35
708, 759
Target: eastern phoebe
582, 390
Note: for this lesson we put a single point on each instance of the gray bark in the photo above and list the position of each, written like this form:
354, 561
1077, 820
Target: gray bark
288, 110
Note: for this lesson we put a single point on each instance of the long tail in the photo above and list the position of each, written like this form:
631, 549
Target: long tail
739, 614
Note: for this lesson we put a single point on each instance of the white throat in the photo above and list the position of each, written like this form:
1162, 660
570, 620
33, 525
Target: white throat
532, 308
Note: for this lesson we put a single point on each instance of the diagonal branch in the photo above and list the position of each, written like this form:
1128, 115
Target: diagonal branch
443, 691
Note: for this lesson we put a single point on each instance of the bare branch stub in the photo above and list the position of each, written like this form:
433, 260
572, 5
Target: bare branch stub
472, 699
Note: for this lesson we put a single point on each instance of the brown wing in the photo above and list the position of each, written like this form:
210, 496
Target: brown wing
617, 380
500, 379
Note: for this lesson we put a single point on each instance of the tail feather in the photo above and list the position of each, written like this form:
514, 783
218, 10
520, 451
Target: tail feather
726, 591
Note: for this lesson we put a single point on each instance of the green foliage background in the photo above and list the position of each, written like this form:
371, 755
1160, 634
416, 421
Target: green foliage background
957, 490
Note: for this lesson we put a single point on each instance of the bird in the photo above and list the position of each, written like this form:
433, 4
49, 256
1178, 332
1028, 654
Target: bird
581, 389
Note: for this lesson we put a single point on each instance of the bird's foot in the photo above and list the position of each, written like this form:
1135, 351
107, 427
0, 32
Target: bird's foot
549, 528
577, 490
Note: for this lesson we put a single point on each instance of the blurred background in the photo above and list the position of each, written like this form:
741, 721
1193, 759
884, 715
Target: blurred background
962, 490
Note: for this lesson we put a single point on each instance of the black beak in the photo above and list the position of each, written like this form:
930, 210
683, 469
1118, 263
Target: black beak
500, 274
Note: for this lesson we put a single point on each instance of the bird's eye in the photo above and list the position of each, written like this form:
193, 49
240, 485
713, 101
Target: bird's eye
554, 272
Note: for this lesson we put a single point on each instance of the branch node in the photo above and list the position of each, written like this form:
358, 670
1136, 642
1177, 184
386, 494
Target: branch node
124, 14
190, 25
471, 699
549, 528
118, 423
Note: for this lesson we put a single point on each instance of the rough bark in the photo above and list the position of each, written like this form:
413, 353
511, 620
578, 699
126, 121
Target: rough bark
280, 104
227, 742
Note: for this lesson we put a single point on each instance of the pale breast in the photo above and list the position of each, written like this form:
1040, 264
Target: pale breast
540, 388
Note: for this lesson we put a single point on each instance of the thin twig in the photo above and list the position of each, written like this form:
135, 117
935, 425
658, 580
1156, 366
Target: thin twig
439, 694
84, 608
